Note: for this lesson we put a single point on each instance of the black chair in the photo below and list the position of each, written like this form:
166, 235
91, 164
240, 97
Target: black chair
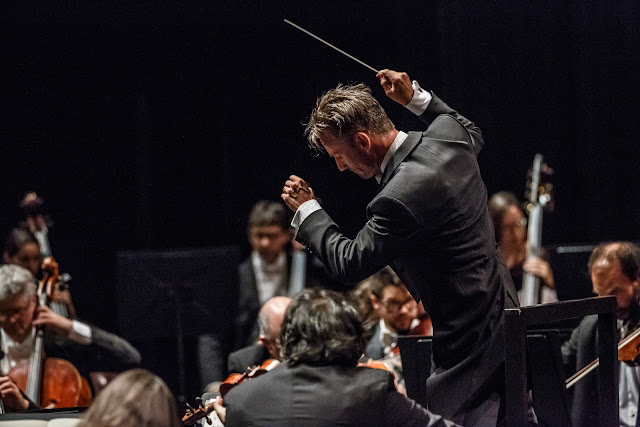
516, 322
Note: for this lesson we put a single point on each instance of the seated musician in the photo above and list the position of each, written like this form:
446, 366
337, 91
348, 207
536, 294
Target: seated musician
268, 345
87, 347
615, 270
319, 382
22, 248
510, 227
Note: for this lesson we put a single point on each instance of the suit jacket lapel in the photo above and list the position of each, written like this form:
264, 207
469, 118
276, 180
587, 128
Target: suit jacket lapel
398, 157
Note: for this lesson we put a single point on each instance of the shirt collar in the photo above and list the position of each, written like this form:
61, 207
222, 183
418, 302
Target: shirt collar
397, 142
277, 266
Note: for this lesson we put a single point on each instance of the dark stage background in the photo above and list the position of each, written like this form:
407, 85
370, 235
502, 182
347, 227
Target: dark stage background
156, 125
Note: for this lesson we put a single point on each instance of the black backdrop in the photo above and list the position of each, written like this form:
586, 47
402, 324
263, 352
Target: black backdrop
153, 125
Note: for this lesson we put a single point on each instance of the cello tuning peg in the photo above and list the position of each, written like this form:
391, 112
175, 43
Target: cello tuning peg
208, 420
191, 408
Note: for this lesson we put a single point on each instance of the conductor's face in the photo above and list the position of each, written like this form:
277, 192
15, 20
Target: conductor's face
355, 155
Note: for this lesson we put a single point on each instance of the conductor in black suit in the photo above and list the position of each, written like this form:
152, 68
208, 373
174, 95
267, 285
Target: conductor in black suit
429, 222
318, 383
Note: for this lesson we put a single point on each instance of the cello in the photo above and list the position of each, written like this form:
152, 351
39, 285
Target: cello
50, 382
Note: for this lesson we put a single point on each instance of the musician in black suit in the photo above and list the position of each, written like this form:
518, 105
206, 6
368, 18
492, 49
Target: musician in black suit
318, 382
615, 270
268, 345
429, 222
264, 274
87, 347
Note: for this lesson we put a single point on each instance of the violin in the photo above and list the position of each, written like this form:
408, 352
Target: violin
251, 372
628, 351
193, 415
50, 382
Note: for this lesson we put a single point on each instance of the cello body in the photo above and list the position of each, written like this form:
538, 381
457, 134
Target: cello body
62, 385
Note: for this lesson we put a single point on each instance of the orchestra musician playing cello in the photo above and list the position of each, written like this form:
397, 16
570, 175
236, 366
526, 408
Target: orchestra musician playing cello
87, 347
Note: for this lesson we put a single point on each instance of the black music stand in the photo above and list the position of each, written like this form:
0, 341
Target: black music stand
176, 294
516, 322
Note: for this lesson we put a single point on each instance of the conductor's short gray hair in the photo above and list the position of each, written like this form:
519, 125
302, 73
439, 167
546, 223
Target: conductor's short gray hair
343, 111
16, 280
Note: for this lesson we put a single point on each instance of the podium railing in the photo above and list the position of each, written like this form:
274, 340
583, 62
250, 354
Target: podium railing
516, 322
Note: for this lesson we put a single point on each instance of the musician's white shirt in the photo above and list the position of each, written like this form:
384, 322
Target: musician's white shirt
628, 392
15, 351
269, 277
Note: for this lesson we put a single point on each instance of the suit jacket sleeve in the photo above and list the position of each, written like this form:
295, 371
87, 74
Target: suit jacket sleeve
391, 226
399, 410
438, 106
117, 349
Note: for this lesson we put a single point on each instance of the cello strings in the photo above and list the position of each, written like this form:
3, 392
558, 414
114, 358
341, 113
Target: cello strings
331, 46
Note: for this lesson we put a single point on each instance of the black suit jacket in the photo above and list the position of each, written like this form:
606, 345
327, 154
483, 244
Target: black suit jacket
107, 352
240, 360
246, 320
579, 351
305, 395
430, 223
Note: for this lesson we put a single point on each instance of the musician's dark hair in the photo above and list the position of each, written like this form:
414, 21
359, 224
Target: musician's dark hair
498, 205
382, 279
627, 254
267, 213
16, 239
344, 111
322, 327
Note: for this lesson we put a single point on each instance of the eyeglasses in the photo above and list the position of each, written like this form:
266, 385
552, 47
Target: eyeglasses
11, 312
394, 305
522, 222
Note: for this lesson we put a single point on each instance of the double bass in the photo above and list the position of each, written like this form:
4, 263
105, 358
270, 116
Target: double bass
50, 382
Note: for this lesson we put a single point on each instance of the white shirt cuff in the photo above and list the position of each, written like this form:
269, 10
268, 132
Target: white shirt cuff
80, 332
303, 212
420, 101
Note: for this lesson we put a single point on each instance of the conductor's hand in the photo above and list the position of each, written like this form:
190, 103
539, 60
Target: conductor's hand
53, 321
396, 85
11, 396
295, 192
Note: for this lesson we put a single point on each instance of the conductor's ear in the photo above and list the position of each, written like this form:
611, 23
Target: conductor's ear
362, 140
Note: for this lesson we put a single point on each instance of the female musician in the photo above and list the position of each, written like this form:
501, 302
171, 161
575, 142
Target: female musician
22, 248
510, 227
71, 340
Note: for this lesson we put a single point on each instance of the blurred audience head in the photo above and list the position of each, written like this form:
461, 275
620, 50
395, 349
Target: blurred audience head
134, 398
